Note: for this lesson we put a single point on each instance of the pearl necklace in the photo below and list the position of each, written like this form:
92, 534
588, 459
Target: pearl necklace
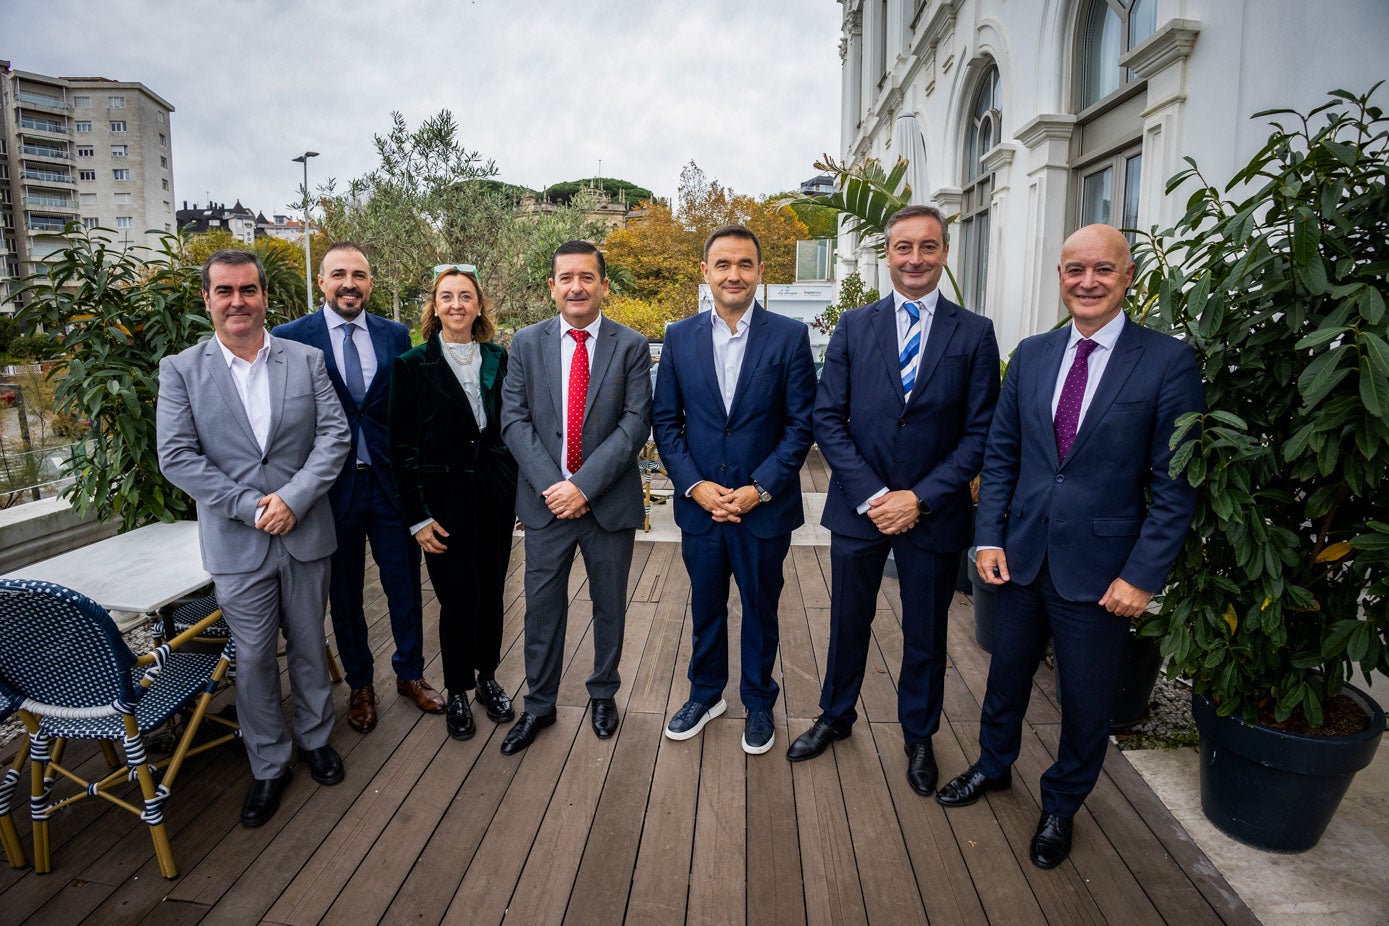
462, 354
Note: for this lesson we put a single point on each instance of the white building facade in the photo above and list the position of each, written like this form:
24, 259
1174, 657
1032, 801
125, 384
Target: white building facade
1031, 118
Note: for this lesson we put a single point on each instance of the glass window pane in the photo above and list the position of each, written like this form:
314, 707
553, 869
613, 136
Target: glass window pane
1103, 35
1096, 194
1142, 21
1133, 174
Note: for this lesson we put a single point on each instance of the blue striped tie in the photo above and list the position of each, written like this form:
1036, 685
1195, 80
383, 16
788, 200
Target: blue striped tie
907, 359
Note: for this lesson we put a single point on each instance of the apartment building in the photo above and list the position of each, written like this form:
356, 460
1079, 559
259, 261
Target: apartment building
79, 148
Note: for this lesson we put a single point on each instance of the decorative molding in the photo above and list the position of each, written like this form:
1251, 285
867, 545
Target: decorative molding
998, 157
1171, 42
1046, 127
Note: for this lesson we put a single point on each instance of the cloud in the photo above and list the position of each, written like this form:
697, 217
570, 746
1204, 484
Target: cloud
749, 90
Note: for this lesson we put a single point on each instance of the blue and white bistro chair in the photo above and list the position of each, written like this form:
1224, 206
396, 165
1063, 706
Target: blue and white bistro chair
9, 836
75, 678
195, 610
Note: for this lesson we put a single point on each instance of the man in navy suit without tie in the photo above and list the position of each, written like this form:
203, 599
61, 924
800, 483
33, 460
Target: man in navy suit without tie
365, 505
732, 423
902, 412
1078, 522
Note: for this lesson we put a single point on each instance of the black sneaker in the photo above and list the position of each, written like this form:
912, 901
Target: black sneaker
692, 717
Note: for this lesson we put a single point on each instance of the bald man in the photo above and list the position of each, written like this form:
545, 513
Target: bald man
1078, 522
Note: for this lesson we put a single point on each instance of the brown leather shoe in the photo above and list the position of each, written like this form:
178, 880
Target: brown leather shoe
361, 709
424, 696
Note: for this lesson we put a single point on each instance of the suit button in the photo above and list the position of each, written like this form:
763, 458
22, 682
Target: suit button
1060, 478
901, 422
727, 432
1045, 519
265, 461
723, 467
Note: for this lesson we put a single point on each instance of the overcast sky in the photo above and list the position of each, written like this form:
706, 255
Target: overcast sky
749, 89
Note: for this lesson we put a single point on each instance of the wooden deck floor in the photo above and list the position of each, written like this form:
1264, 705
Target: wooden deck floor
638, 829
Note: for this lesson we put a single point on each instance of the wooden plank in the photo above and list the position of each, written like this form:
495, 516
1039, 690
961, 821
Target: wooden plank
800, 674
718, 866
660, 879
599, 897
833, 894
650, 691
878, 695
774, 855
489, 884
941, 874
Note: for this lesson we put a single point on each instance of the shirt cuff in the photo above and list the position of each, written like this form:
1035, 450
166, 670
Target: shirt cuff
416, 528
863, 509
689, 493
981, 549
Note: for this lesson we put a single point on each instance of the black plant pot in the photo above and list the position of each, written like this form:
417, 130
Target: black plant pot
985, 601
1139, 665
1275, 790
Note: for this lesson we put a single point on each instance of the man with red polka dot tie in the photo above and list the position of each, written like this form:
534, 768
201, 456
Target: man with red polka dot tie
576, 410
1078, 522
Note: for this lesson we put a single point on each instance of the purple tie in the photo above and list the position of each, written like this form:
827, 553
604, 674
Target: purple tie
1072, 394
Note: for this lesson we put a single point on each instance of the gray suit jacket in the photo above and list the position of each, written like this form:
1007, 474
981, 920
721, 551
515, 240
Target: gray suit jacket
207, 449
617, 421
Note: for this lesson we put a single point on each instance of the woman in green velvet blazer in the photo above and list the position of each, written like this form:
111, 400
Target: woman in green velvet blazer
457, 484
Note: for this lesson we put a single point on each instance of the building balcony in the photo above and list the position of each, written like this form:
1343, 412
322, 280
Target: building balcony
43, 151
32, 176
42, 128
48, 201
41, 101
46, 225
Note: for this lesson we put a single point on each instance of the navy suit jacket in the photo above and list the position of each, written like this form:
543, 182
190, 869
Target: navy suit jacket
932, 445
763, 438
390, 339
1110, 510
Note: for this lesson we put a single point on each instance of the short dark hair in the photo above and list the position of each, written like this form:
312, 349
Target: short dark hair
579, 247
232, 258
343, 246
733, 231
917, 212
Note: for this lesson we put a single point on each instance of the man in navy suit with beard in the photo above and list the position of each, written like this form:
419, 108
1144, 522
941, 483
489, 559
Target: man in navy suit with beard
903, 409
358, 348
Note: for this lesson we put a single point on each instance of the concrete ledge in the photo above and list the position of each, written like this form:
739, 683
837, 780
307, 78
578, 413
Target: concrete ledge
38, 530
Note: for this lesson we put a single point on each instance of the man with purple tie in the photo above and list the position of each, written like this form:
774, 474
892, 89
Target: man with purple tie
1078, 522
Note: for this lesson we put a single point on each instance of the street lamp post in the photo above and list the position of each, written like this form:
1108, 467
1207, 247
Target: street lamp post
308, 261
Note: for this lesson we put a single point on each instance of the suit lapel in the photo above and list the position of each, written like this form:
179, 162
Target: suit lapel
604, 347
943, 325
704, 357
380, 344
1053, 353
320, 336
437, 370
278, 374
226, 386
752, 355
552, 365
1127, 352
885, 327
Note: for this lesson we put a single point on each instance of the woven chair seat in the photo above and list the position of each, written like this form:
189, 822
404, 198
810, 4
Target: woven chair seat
183, 677
186, 615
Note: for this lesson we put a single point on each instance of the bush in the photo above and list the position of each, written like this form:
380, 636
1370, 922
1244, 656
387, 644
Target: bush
9, 330
35, 347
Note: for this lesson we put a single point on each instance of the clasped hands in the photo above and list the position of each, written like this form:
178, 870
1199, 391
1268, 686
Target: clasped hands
724, 504
1121, 598
274, 517
895, 512
565, 500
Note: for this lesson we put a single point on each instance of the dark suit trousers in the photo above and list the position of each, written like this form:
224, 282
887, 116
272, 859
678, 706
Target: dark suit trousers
927, 582
468, 579
1088, 641
372, 515
710, 558
549, 557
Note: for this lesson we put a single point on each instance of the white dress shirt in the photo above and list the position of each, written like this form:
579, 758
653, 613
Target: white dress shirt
729, 349
253, 386
468, 375
1105, 340
566, 360
361, 336
927, 311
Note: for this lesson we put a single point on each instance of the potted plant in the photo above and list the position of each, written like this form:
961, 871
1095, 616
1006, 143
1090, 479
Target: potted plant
1282, 588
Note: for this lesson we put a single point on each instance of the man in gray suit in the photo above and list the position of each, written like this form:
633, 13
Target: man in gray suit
250, 427
576, 409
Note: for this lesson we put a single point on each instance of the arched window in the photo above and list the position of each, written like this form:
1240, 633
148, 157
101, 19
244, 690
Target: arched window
1109, 29
983, 133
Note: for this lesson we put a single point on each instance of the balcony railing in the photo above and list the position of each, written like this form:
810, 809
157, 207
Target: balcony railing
45, 152
40, 223
45, 102
48, 199
43, 125
46, 176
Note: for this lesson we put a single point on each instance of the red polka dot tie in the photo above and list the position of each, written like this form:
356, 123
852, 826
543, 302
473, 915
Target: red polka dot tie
1067, 419
578, 393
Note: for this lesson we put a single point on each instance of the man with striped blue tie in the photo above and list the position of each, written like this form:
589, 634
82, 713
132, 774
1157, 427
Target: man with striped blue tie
901, 415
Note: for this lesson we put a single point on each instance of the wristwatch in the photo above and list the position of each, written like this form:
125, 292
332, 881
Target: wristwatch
762, 493
922, 508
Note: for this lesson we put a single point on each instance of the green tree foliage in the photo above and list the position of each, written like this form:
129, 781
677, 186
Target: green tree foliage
1277, 281
9, 330
659, 254
615, 188
852, 294
283, 262
119, 312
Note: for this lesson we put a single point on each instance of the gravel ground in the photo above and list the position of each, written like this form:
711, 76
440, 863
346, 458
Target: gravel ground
1166, 725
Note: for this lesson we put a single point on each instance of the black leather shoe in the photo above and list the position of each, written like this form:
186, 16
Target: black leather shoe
1052, 841
262, 799
921, 768
494, 700
817, 739
604, 717
965, 789
325, 765
459, 718
525, 731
